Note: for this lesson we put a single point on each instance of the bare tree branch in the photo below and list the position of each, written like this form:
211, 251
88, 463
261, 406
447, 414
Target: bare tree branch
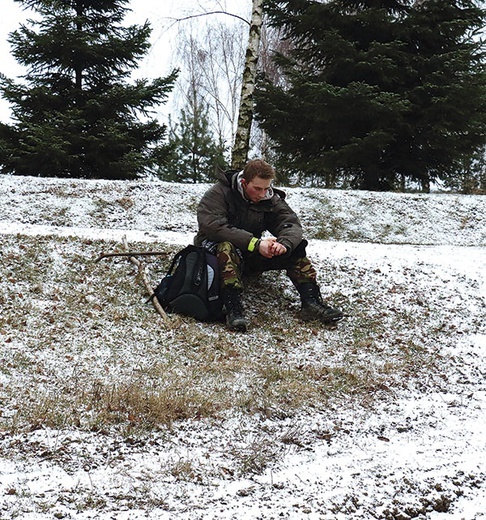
177, 20
148, 286
134, 253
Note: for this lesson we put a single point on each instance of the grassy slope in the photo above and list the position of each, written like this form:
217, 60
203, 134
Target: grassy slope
81, 350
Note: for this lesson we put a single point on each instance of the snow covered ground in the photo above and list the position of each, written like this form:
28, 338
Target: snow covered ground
418, 453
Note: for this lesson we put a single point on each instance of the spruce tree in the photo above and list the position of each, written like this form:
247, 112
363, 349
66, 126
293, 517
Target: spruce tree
195, 155
446, 89
376, 90
76, 112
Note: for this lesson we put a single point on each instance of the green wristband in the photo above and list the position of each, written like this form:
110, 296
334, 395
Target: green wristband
252, 244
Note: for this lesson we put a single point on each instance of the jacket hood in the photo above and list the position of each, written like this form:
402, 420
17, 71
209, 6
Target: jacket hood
231, 178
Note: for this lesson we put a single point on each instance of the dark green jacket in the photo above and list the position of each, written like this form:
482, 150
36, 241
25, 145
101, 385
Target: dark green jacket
224, 215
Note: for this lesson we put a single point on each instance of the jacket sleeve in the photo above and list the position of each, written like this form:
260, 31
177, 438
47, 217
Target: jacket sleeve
212, 218
286, 226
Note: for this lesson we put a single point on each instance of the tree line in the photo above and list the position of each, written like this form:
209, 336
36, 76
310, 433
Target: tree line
361, 94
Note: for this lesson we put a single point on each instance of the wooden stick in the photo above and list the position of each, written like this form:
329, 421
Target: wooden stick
135, 253
148, 287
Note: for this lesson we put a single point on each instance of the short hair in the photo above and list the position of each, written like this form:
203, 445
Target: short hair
258, 168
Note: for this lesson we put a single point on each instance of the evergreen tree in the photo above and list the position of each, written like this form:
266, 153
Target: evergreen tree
195, 156
75, 114
470, 178
376, 90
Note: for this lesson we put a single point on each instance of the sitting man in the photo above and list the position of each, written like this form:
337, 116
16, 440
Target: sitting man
233, 216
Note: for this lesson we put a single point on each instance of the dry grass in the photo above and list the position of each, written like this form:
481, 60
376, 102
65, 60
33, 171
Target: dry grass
81, 348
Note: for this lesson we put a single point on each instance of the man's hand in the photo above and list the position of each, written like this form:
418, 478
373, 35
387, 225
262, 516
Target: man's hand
269, 247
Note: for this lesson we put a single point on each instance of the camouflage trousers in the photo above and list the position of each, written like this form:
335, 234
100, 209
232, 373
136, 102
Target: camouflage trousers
234, 264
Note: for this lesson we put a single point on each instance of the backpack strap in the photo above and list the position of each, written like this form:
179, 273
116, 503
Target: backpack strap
169, 272
175, 260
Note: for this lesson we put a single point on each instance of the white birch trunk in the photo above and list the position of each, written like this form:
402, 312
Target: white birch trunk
245, 117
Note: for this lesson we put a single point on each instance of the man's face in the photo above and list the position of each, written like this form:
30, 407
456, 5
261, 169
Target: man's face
256, 189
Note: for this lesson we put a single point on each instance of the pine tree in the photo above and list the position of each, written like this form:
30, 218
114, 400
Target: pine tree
195, 156
376, 90
446, 89
76, 113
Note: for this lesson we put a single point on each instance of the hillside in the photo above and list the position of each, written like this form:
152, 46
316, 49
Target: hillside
109, 412
154, 207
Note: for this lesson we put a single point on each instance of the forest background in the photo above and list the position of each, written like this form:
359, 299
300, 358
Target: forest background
381, 96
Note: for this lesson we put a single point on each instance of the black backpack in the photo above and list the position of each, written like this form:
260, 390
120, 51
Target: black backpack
191, 285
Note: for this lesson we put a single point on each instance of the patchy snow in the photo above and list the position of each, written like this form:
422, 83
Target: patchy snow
420, 454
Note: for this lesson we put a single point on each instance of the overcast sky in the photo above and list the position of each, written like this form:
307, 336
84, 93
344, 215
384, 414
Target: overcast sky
160, 13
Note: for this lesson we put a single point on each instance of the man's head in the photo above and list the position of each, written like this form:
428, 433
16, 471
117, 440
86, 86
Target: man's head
257, 178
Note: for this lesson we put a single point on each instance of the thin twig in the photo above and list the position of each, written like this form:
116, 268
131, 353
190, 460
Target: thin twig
148, 287
177, 20
134, 253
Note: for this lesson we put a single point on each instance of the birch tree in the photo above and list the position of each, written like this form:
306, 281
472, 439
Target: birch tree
245, 116
221, 62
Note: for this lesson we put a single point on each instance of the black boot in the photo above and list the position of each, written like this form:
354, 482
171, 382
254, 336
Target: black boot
235, 319
313, 308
